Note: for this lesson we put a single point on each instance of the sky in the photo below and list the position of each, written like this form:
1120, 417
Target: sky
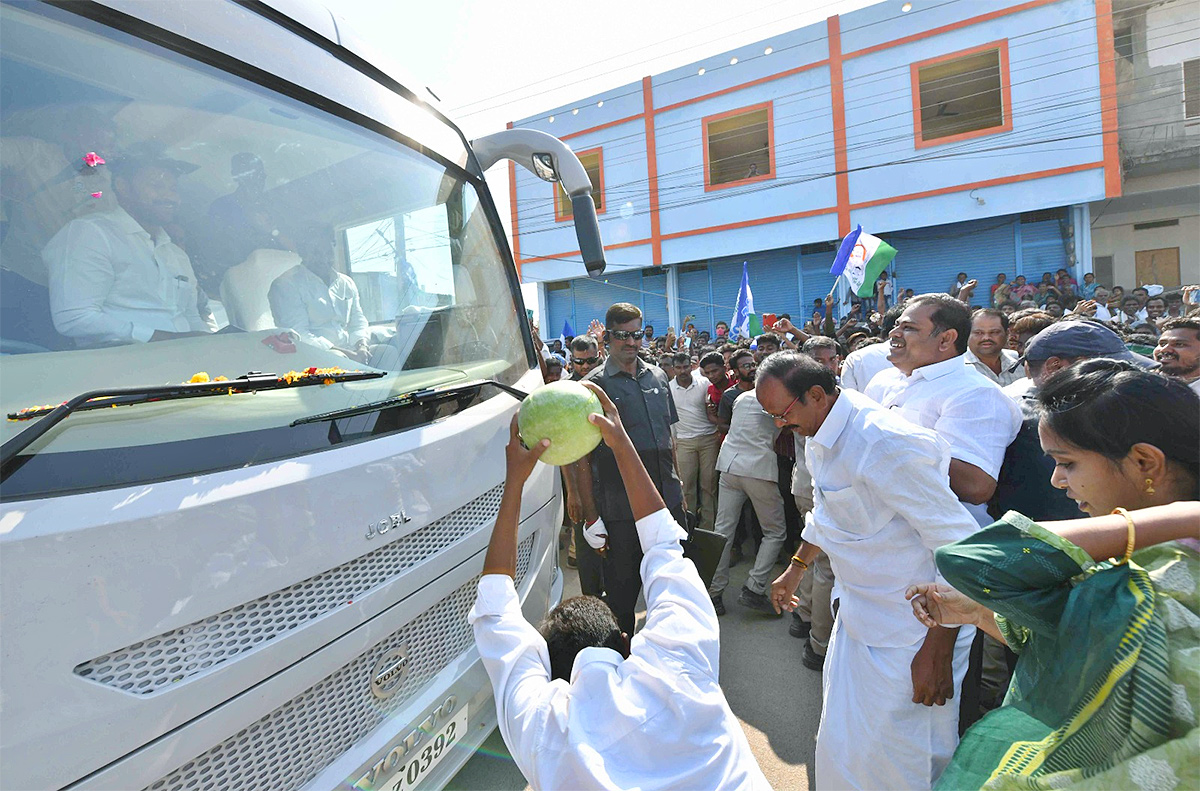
493, 62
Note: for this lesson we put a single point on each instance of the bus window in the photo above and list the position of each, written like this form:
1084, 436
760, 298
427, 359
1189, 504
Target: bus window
163, 219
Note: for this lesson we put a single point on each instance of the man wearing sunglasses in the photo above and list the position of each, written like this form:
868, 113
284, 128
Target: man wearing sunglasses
642, 396
584, 357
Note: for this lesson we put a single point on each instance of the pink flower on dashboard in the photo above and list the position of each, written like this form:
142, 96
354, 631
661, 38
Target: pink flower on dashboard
92, 159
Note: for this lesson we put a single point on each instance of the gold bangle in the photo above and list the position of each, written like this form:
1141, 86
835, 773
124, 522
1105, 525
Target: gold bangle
1132, 535
796, 559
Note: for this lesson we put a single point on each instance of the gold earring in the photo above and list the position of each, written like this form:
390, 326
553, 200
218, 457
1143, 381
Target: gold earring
1150, 486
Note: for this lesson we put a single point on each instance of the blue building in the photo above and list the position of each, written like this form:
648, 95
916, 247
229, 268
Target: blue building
970, 135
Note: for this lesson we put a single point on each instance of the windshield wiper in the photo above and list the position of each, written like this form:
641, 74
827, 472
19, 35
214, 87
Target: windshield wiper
125, 396
411, 397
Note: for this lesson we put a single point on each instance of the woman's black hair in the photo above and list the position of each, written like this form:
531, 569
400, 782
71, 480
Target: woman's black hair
1108, 406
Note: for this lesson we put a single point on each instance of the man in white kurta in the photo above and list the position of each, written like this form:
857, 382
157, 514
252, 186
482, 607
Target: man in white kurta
655, 718
931, 386
882, 505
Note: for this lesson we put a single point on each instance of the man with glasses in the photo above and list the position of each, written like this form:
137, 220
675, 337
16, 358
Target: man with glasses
585, 356
748, 470
882, 505
642, 396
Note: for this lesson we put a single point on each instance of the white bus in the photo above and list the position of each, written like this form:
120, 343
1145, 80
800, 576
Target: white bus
262, 336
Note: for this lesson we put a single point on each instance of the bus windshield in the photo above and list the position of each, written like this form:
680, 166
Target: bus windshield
164, 221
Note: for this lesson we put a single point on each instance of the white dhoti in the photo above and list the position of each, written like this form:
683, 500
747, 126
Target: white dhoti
872, 736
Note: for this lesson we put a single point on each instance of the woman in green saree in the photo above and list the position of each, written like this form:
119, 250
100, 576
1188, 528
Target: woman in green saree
1103, 611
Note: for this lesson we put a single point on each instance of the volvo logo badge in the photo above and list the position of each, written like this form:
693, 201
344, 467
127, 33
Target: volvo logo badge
389, 672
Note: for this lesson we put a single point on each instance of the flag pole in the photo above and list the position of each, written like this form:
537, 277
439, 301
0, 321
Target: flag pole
836, 280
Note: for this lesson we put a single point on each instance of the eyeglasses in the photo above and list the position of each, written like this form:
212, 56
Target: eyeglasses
585, 360
782, 415
624, 335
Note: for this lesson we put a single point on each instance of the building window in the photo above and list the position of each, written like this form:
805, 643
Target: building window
739, 147
593, 162
1191, 88
962, 95
1123, 42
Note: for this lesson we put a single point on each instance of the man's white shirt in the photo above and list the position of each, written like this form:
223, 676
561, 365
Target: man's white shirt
967, 410
112, 282
1008, 360
861, 365
881, 505
325, 314
749, 447
655, 720
690, 405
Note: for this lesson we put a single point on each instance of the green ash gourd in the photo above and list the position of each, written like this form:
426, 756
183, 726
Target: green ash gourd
559, 412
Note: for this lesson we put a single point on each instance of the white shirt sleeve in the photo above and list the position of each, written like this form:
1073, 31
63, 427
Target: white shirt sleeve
358, 328
518, 663
192, 310
289, 311
79, 259
979, 425
919, 489
681, 625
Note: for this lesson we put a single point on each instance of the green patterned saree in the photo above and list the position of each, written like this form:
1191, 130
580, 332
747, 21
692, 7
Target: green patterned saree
1106, 691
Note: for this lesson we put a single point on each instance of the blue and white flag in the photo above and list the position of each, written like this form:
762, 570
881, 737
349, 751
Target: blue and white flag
740, 325
567, 332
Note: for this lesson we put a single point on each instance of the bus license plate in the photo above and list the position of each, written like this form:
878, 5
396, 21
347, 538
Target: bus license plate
415, 769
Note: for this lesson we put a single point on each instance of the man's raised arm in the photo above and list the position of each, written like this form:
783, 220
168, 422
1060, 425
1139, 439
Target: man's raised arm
681, 625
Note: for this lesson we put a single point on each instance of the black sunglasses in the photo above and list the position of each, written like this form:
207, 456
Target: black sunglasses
624, 335
585, 360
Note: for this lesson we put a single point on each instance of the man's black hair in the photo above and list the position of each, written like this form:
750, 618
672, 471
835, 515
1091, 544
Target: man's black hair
948, 314
769, 337
681, 359
891, 316
1182, 323
820, 342
584, 343
712, 358
739, 354
797, 372
999, 314
578, 623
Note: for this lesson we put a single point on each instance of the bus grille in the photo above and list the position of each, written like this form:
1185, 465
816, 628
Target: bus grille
152, 665
291, 745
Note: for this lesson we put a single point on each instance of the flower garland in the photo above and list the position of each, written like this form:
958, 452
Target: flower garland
291, 377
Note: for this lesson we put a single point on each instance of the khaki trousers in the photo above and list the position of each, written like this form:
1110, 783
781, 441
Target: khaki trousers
697, 459
816, 587
768, 504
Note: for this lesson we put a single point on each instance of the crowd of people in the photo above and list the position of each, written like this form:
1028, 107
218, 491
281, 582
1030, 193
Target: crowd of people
915, 490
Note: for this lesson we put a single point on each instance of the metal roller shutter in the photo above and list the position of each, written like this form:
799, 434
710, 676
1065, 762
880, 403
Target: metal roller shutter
817, 282
1041, 249
726, 279
654, 301
558, 305
774, 283
694, 296
593, 298
928, 259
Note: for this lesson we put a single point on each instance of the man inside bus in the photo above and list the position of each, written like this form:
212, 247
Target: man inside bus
319, 302
241, 222
115, 276
579, 704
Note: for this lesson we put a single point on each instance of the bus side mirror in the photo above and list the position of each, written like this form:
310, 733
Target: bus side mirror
550, 159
